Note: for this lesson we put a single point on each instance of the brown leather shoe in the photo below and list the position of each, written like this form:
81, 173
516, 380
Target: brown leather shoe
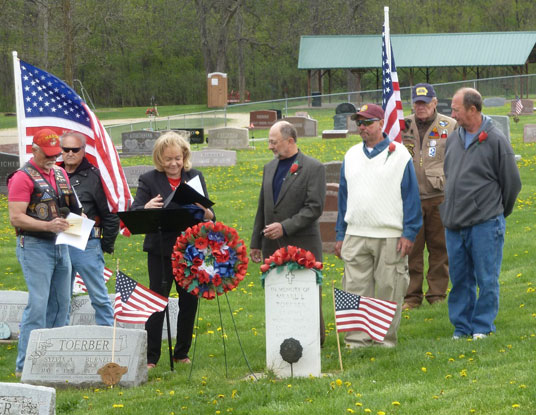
409, 306
150, 366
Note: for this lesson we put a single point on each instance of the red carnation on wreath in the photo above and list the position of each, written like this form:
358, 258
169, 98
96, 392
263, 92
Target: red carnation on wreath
208, 259
482, 136
293, 258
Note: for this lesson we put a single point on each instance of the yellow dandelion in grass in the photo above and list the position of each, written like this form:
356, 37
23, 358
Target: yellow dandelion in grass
358, 404
380, 413
395, 403
463, 373
289, 386
448, 376
461, 356
85, 397
117, 405
221, 396
451, 359
350, 391
372, 359
521, 305
435, 397
502, 351
350, 410
358, 395
233, 393
423, 369
472, 410
368, 411
218, 412
516, 405
338, 382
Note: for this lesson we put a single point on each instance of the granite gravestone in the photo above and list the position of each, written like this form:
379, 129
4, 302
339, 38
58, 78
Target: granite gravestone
345, 108
340, 121
8, 164
192, 135
83, 314
19, 399
306, 127
12, 305
139, 142
334, 133
444, 106
71, 356
133, 173
502, 122
213, 158
494, 102
351, 125
262, 118
528, 107
302, 114
228, 137
333, 171
328, 220
529, 133
292, 312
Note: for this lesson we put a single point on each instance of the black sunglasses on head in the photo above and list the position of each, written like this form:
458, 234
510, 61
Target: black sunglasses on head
73, 149
366, 122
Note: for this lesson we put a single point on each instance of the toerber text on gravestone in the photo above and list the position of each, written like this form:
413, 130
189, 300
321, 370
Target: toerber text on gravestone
73, 355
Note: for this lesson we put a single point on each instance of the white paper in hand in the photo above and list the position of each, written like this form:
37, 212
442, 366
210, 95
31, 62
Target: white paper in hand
195, 184
78, 241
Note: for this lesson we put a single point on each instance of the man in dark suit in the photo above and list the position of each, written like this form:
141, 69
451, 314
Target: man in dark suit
291, 200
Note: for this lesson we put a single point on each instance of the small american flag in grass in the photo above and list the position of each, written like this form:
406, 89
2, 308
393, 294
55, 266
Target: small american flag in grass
358, 313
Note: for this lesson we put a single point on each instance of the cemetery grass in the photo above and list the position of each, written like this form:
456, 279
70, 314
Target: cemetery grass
426, 373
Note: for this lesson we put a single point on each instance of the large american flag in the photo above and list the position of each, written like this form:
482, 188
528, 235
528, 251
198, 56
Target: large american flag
79, 285
135, 303
391, 102
358, 313
45, 101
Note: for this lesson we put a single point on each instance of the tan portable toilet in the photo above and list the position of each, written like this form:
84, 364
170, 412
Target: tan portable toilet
217, 90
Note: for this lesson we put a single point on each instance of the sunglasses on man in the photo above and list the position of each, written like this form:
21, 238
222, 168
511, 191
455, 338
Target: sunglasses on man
72, 149
366, 122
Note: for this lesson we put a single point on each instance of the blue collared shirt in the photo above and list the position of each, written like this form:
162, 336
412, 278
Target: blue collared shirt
411, 202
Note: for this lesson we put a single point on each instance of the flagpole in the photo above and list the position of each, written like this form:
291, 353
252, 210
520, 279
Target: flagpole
19, 106
387, 34
115, 318
336, 332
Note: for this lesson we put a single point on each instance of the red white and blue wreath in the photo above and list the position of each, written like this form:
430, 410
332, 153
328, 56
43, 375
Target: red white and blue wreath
208, 259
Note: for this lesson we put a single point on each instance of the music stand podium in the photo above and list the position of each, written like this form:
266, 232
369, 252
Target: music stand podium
158, 221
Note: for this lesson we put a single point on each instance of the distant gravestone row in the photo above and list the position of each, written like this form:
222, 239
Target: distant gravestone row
142, 142
12, 304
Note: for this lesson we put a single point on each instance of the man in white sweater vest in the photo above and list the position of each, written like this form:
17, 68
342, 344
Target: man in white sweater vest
379, 216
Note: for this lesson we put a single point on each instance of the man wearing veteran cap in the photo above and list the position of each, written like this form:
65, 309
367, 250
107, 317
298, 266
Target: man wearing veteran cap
425, 137
379, 216
38, 194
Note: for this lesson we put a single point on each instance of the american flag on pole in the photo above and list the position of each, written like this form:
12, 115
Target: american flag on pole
358, 313
518, 106
45, 101
135, 303
79, 286
391, 103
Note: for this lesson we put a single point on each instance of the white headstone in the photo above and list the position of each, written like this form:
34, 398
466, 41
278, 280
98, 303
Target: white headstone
71, 356
292, 312
12, 305
529, 133
16, 398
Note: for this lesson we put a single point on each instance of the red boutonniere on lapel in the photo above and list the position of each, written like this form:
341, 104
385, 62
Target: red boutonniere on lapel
482, 137
294, 168
390, 150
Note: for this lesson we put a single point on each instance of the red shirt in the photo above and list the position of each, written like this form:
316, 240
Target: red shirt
20, 186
